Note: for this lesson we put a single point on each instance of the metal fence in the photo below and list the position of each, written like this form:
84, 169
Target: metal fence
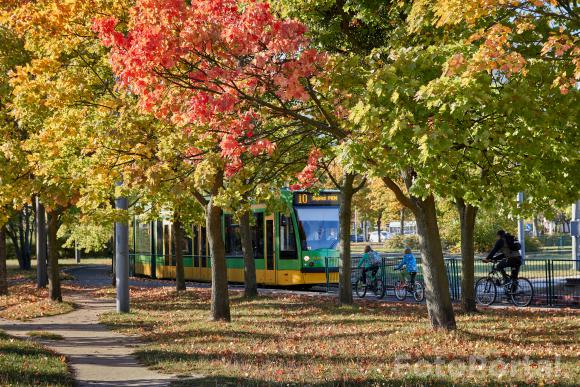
559, 240
556, 282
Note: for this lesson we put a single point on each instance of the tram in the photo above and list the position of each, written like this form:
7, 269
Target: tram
295, 246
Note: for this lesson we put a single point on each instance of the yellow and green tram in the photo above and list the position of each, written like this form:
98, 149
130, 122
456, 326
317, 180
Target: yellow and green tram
295, 246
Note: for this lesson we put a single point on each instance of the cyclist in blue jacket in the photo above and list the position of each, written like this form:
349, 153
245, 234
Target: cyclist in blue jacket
410, 264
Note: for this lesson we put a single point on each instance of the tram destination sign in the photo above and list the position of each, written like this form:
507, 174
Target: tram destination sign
319, 199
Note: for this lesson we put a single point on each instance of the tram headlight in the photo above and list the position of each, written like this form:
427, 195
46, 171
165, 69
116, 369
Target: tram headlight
306, 258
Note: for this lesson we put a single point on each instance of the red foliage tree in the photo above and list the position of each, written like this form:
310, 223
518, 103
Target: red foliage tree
219, 69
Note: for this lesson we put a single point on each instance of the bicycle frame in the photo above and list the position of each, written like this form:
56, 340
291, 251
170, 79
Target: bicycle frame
495, 274
373, 277
403, 275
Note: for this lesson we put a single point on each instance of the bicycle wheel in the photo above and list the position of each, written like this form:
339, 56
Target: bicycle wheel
360, 288
380, 289
419, 292
485, 291
400, 291
523, 293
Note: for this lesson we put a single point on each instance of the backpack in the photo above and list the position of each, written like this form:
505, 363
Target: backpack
375, 258
513, 242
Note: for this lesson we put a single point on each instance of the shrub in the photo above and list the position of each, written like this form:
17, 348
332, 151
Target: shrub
402, 242
533, 244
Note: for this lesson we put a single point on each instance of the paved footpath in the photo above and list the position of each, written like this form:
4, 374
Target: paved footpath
97, 355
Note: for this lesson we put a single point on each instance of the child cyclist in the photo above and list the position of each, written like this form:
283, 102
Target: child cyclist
370, 261
410, 264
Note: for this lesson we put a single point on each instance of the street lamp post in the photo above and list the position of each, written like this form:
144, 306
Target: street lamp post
122, 258
575, 236
522, 229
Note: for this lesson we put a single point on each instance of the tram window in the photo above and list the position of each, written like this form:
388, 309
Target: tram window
159, 244
195, 233
287, 238
258, 235
167, 249
143, 238
203, 251
132, 237
270, 239
318, 227
232, 237
187, 245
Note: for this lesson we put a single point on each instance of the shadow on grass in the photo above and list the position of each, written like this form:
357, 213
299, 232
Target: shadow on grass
153, 357
24, 363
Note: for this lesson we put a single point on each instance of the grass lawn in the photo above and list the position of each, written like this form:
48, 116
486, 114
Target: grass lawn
12, 264
25, 363
25, 302
290, 339
45, 335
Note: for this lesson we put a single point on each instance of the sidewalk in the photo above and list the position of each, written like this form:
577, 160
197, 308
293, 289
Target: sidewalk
97, 355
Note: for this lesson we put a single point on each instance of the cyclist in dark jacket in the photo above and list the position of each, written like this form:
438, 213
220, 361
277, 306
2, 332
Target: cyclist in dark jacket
507, 257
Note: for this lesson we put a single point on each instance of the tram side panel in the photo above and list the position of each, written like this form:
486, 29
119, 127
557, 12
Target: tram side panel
278, 242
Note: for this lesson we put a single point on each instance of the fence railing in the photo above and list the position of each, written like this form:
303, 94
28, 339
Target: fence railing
556, 282
559, 240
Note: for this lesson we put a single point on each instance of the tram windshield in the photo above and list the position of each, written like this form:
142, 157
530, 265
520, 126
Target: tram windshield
318, 227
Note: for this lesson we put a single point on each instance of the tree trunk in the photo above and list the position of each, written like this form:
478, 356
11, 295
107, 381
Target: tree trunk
22, 239
220, 302
379, 226
536, 227
178, 246
54, 290
344, 216
467, 215
402, 230
13, 234
437, 294
250, 286
41, 276
27, 241
3, 272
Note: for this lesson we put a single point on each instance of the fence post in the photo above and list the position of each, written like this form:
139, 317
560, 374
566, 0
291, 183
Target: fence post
546, 269
522, 230
326, 272
457, 284
575, 237
384, 273
452, 277
549, 282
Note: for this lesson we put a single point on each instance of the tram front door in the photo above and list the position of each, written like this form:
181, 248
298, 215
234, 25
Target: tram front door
270, 258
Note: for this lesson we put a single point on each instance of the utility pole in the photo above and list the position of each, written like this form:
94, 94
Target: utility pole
575, 236
77, 253
122, 258
355, 225
522, 229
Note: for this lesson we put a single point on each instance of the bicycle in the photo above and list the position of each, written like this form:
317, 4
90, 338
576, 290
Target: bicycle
403, 287
520, 291
374, 283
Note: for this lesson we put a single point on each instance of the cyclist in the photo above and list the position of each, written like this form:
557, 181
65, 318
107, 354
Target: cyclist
510, 256
370, 261
410, 264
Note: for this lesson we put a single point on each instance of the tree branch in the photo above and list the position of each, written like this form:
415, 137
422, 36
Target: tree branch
399, 194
